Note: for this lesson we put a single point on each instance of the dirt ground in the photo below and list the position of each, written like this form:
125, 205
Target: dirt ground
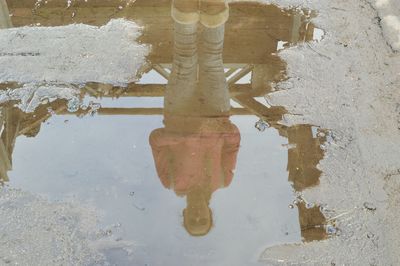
349, 83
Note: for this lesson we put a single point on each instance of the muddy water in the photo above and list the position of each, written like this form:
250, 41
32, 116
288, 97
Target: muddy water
191, 163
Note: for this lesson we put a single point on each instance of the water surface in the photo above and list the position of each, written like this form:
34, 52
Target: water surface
192, 168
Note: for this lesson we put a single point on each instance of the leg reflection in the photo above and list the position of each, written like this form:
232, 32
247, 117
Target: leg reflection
181, 88
5, 20
195, 153
212, 84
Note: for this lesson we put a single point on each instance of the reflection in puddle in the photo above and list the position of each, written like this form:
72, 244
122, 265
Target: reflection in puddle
195, 153
5, 19
204, 148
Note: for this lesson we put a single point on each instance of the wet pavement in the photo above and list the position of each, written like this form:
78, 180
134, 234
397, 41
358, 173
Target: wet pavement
190, 163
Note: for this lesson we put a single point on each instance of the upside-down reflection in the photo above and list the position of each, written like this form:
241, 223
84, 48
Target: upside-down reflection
5, 20
196, 150
195, 153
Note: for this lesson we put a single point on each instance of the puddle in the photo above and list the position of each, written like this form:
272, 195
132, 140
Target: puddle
190, 161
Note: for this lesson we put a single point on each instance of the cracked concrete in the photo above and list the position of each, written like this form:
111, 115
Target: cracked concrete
382, 11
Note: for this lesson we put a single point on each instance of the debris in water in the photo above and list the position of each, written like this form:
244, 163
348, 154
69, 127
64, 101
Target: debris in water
94, 107
139, 208
73, 105
331, 230
310, 205
261, 125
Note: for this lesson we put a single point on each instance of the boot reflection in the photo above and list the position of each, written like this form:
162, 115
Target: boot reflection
5, 20
195, 153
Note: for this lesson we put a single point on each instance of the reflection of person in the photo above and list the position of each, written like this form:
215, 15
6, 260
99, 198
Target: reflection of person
195, 153
195, 157
197, 84
211, 13
5, 21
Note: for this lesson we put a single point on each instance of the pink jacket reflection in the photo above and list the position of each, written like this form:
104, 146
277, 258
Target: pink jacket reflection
202, 158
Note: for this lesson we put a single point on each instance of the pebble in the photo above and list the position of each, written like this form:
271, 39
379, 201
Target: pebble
369, 206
